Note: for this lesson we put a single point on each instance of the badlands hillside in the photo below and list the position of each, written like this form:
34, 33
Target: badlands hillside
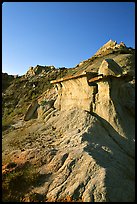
68, 134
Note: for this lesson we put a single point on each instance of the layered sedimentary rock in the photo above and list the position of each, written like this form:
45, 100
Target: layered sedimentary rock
84, 91
71, 95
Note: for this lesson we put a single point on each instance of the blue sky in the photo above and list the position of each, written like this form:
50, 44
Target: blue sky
61, 33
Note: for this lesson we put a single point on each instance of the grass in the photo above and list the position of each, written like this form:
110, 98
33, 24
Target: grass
6, 123
15, 184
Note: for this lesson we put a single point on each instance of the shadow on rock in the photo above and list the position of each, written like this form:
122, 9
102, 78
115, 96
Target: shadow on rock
111, 152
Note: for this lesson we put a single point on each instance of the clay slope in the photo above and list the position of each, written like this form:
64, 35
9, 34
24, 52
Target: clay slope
78, 155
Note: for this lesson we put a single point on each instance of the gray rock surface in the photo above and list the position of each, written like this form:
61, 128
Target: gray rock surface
80, 155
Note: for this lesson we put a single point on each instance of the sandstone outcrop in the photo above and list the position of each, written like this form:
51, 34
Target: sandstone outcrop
80, 91
70, 95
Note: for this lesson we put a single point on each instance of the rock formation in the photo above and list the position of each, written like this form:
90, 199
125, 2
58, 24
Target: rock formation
80, 91
82, 141
37, 70
109, 46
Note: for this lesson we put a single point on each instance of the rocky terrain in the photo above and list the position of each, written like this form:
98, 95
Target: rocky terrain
63, 153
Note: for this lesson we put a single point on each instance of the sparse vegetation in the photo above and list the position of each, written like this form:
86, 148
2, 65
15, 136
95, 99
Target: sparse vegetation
17, 182
43, 103
20, 93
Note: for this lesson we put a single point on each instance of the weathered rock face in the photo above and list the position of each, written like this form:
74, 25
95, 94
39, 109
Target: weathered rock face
104, 99
43, 108
74, 93
81, 92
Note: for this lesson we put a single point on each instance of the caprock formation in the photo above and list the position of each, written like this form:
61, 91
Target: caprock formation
78, 134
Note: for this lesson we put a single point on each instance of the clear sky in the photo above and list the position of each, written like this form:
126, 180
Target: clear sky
61, 33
